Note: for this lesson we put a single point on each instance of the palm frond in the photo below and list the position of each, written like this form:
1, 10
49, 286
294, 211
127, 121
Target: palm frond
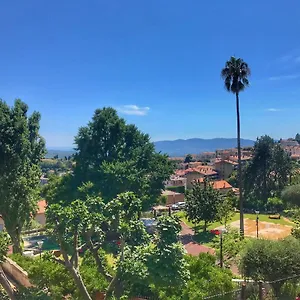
245, 81
235, 74
228, 83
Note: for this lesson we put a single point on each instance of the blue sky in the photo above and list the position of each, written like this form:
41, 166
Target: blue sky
158, 62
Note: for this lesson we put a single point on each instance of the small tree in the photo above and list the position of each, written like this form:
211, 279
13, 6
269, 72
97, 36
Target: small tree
202, 204
275, 204
188, 158
166, 263
291, 195
226, 208
297, 138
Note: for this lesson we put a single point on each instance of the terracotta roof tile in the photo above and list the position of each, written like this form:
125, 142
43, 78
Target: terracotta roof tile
42, 204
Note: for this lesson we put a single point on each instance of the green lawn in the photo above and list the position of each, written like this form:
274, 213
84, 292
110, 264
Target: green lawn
236, 217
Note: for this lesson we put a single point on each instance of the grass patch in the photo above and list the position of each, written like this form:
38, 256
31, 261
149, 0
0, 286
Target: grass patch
204, 238
265, 218
236, 217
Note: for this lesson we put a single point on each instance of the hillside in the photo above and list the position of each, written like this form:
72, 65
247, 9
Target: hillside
197, 145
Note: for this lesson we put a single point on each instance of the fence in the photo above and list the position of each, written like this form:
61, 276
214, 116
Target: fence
281, 289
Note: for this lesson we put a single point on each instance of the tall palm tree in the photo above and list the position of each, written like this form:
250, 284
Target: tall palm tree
235, 75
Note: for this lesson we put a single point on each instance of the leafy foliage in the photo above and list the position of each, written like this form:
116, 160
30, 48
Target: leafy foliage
111, 151
21, 149
202, 204
267, 174
166, 263
226, 208
291, 195
188, 158
47, 275
4, 242
275, 204
271, 260
206, 278
235, 75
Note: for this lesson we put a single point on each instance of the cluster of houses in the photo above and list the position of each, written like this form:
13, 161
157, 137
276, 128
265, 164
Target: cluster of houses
216, 167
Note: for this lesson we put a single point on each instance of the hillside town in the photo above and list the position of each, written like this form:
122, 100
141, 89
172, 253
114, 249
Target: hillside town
149, 150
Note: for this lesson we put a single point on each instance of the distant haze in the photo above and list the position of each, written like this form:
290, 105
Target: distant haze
173, 148
197, 145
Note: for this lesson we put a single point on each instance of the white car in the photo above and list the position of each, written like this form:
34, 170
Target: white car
181, 204
175, 207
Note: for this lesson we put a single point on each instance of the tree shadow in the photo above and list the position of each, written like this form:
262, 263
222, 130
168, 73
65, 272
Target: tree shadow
203, 237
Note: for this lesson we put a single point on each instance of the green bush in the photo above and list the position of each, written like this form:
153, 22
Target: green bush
176, 189
46, 274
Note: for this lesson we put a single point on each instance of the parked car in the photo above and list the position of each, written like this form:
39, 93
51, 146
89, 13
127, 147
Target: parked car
175, 207
181, 205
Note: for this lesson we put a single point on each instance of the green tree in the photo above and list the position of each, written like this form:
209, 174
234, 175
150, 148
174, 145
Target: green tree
235, 75
268, 172
167, 267
116, 157
271, 260
206, 279
233, 180
291, 195
297, 138
275, 204
21, 150
226, 208
202, 204
65, 224
188, 158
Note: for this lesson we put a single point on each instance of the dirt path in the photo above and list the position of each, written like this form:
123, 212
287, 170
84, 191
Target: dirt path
266, 230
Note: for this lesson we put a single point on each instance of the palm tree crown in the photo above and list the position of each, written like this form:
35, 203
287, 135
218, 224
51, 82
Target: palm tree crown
235, 75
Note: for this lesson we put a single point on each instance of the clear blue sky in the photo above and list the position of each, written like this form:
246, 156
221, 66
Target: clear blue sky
158, 62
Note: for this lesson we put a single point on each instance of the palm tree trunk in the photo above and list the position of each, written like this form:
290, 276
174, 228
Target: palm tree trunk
240, 182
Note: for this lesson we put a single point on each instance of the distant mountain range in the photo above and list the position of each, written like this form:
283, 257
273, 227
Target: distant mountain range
196, 145
60, 152
175, 148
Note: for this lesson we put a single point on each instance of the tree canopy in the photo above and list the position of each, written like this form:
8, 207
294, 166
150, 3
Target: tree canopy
267, 173
291, 195
116, 157
202, 203
235, 75
188, 158
21, 149
271, 260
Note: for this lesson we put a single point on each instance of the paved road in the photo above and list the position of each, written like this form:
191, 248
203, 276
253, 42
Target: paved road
192, 247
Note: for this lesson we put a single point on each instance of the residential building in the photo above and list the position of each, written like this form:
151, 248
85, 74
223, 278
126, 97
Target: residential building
244, 158
221, 185
225, 168
288, 143
206, 156
173, 197
40, 216
192, 174
176, 181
